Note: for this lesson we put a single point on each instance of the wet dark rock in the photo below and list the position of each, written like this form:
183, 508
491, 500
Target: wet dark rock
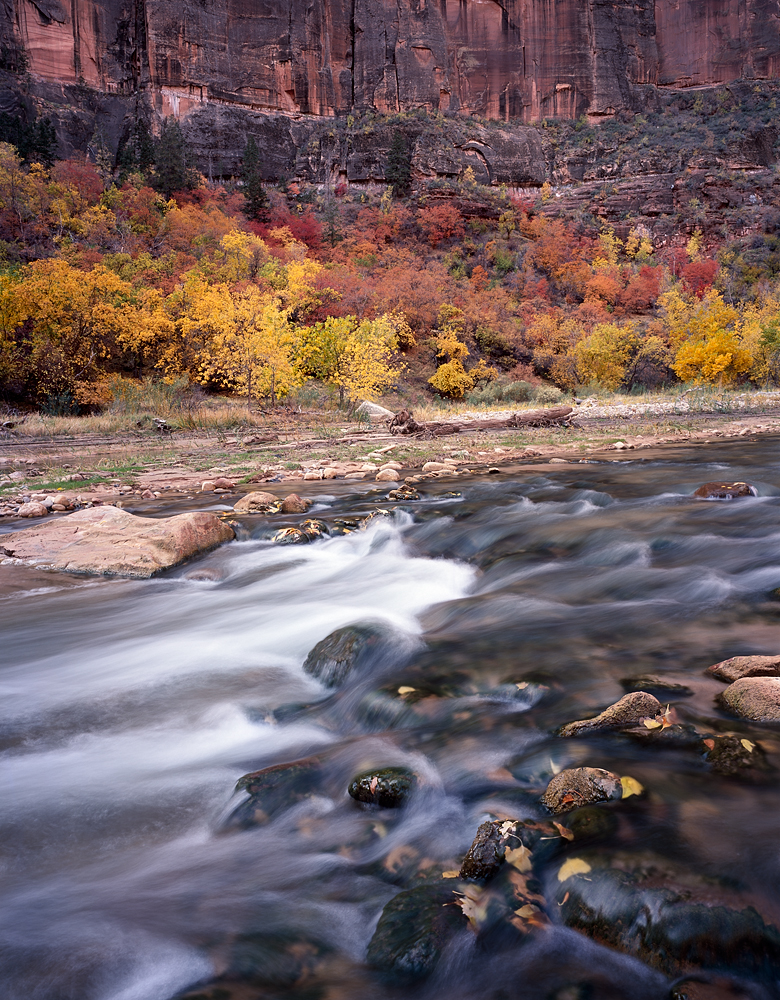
725, 491
334, 658
737, 667
313, 529
591, 823
376, 515
730, 755
487, 853
711, 988
403, 493
387, 787
628, 711
681, 734
672, 926
756, 698
290, 536
413, 930
271, 790
658, 686
581, 786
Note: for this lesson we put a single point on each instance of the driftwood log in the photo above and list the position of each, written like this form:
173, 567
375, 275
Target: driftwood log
404, 423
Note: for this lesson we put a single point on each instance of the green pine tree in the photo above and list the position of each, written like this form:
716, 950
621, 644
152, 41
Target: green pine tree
255, 197
398, 172
170, 160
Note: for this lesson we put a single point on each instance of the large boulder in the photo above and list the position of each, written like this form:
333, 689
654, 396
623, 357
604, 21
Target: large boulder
257, 502
756, 698
745, 666
112, 542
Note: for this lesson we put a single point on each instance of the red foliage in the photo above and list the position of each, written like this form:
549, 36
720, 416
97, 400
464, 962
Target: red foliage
440, 222
305, 227
81, 176
699, 275
642, 290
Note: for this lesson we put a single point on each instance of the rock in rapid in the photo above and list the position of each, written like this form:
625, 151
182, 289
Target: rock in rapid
334, 658
112, 542
388, 787
724, 491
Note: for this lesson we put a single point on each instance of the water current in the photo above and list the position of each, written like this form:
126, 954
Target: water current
129, 709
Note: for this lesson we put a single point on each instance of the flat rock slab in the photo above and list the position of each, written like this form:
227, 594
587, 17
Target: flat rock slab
111, 542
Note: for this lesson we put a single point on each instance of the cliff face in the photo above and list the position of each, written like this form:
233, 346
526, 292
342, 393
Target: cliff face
518, 59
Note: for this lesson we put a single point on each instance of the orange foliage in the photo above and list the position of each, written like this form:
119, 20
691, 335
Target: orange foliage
439, 223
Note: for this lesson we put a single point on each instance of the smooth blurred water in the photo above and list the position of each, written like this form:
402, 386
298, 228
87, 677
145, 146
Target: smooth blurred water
129, 709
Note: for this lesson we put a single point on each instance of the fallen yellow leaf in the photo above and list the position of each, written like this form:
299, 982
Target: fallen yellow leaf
450, 874
405, 690
750, 747
527, 911
521, 685
519, 858
652, 724
630, 786
574, 866
564, 831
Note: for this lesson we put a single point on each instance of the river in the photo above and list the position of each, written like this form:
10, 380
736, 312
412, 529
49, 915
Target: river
517, 601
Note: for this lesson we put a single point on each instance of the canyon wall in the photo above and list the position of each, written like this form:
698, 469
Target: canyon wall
222, 64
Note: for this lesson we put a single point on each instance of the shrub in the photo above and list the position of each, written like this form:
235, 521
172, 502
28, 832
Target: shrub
548, 394
519, 392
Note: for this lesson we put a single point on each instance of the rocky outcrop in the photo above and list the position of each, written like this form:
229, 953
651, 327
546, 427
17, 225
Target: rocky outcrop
111, 542
230, 68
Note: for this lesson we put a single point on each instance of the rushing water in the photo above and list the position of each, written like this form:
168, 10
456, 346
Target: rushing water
129, 709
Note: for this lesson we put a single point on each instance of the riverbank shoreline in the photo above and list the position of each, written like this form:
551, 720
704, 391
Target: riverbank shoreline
123, 467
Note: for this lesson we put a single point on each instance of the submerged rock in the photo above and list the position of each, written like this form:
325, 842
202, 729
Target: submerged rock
745, 666
673, 923
628, 711
730, 755
111, 542
412, 932
388, 787
273, 789
314, 529
724, 491
290, 536
756, 698
581, 786
293, 504
657, 686
334, 658
494, 838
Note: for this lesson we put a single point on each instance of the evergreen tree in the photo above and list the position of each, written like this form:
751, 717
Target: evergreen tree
255, 198
398, 172
136, 153
170, 160
36, 142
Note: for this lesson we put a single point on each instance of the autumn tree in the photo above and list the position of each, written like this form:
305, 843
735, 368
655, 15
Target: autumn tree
357, 357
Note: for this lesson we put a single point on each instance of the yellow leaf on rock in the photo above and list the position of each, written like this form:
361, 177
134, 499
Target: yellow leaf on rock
564, 831
630, 786
574, 866
519, 858
652, 724
453, 874
406, 690
750, 747
527, 911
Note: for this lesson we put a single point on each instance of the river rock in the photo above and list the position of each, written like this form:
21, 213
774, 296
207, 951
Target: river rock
730, 755
313, 528
273, 789
109, 541
745, 666
221, 483
293, 504
628, 711
334, 658
33, 509
581, 786
725, 491
387, 476
756, 698
412, 932
658, 686
672, 921
374, 411
488, 851
257, 501
208, 486
290, 536
388, 787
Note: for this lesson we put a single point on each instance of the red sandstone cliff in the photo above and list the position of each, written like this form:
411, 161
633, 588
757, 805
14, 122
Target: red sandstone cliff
520, 59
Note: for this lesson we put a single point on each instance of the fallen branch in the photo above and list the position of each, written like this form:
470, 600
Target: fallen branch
404, 423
